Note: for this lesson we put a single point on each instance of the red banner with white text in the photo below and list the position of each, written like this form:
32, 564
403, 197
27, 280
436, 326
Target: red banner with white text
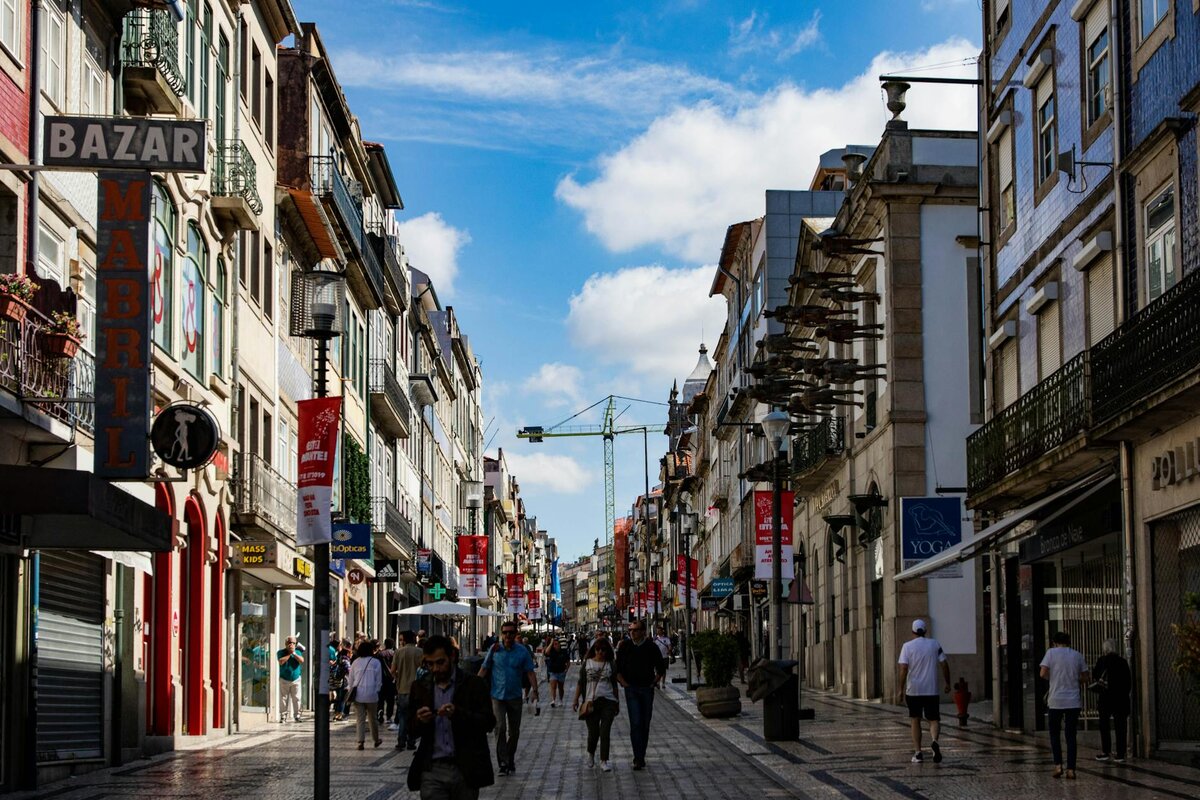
318, 424
472, 567
514, 585
680, 602
764, 535
654, 596
534, 601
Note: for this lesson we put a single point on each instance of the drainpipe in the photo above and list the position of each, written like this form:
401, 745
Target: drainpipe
34, 87
1118, 111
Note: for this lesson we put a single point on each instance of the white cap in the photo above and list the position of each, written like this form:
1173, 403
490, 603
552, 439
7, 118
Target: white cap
918, 626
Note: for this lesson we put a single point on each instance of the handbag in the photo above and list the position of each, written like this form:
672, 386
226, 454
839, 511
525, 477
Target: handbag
589, 706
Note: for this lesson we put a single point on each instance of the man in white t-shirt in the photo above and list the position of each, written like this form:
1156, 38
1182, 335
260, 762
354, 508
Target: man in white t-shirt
919, 659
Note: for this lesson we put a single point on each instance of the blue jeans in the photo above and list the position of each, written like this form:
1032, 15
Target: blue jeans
1057, 715
640, 702
401, 718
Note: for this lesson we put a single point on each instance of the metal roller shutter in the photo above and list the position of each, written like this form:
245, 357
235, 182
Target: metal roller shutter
1049, 342
1102, 303
70, 677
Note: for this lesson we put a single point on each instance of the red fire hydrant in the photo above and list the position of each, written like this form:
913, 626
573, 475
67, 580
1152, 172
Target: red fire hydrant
962, 701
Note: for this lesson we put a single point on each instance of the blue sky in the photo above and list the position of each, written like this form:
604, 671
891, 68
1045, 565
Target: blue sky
569, 170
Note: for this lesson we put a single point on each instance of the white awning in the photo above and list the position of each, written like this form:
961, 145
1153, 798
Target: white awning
130, 558
1042, 511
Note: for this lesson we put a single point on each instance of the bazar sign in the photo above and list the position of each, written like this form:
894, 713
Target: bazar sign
120, 143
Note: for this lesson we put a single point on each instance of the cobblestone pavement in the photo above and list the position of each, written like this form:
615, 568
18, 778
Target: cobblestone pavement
851, 750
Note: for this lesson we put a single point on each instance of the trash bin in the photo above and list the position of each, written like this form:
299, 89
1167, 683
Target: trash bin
781, 705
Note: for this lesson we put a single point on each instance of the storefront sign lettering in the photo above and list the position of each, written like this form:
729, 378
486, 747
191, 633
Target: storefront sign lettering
1174, 466
254, 554
151, 144
302, 568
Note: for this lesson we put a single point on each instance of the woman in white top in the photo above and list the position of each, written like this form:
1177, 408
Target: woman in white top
366, 679
598, 685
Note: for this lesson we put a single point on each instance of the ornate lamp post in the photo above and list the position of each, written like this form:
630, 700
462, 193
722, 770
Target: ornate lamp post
775, 426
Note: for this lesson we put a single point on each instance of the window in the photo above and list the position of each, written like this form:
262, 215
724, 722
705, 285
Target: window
86, 309
54, 53
1049, 341
282, 461
1000, 16
1004, 181
268, 280
191, 301
1161, 272
256, 85
268, 430
1152, 13
269, 112
161, 277
255, 266
92, 100
189, 50
222, 88
216, 334
205, 54
51, 255
244, 53
1101, 300
1047, 129
1095, 35
10, 26
1006, 377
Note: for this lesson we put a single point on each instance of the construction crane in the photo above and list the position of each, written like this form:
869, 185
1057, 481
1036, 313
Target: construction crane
609, 430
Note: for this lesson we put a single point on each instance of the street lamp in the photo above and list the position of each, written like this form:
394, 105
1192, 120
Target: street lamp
686, 522
318, 299
775, 425
473, 501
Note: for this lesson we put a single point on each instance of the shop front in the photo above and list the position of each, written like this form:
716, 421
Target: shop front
1166, 476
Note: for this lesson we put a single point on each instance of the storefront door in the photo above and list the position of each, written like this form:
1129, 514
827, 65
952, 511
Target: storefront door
304, 631
254, 649
1176, 563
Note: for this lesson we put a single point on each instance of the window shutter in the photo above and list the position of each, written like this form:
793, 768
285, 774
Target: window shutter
1045, 88
999, 7
1049, 341
1008, 379
1004, 159
1101, 303
1096, 22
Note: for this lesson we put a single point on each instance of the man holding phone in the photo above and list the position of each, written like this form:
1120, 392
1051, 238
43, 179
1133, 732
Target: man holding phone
291, 661
451, 712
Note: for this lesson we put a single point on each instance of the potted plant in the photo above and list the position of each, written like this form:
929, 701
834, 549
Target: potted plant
719, 656
62, 335
16, 293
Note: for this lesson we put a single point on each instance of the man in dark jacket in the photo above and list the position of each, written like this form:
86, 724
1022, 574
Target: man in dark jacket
639, 666
452, 713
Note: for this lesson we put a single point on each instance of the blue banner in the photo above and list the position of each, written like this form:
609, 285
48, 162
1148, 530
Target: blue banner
722, 587
351, 541
337, 567
928, 526
554, 587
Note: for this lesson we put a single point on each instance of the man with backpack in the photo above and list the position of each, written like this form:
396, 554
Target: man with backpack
506, 664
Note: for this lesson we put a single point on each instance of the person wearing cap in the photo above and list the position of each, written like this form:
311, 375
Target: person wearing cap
919, 659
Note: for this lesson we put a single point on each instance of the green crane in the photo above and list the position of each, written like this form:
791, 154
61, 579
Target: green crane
609, 430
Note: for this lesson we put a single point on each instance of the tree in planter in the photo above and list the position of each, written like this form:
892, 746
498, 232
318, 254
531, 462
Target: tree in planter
1187, 634
719, 656
358, 482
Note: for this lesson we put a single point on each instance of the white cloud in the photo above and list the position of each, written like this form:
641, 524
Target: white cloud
556, 384
697, 170
432, 246
648, 320
752, 35
548, 471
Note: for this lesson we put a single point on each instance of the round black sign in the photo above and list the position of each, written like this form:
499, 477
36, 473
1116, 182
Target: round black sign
185, 435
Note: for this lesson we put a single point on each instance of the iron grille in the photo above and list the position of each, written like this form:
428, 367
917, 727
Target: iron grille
237, 175
1176, 564
151, 39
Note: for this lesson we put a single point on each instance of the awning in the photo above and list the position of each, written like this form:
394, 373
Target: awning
307, 211
129, 558
1043, 510
74, 510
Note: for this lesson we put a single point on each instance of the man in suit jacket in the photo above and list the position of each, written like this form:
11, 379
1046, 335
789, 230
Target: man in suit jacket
452, 713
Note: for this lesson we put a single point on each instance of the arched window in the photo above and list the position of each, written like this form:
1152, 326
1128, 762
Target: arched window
216, 333
162, 266
191, 307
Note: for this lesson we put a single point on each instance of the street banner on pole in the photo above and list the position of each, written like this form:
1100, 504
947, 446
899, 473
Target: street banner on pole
639, 603
680, 600
424, 561
472, 567
534, 602
654, 596
764, 534
318, 424
514, 583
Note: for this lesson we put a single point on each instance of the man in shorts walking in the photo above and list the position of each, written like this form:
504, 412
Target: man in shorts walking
919, 659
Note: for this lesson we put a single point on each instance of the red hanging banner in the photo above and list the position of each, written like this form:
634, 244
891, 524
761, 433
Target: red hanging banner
514, 583
472, 567
764, 534
318, 434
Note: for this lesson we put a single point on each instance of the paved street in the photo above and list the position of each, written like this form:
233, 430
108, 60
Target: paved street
852, 750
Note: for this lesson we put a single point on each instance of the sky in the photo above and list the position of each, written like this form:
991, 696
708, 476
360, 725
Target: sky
569, 170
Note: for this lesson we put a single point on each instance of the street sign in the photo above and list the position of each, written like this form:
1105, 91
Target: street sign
356, 576
722, 587
387, 570
185, 436
758, 589
437, 591
424, 561
709, 603
351, 541
157, 145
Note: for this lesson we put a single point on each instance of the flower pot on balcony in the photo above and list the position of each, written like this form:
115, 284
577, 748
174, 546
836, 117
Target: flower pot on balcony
59, 345
13, 307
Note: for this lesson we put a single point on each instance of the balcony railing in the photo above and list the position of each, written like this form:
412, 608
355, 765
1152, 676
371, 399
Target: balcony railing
385, 249
236, 174
1152, 349
1045, 417
261, 491
151, 40
327, 180
389, 401
62, 388
387, 519
371, 265
813, 447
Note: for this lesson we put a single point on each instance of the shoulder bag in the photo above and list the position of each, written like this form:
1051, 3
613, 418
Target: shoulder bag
589, 705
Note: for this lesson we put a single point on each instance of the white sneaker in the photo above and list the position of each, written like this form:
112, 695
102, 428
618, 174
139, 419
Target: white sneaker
605, 766
591, 759
393, 726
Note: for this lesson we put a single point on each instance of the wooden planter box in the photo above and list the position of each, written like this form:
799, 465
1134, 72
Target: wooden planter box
13, 307
59, 345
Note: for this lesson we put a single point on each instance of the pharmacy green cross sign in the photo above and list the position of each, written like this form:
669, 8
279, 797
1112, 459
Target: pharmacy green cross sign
438, 591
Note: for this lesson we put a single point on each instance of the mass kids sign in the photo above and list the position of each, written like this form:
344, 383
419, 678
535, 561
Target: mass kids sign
124, 152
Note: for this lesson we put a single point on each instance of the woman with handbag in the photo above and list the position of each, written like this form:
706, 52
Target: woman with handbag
366, 679
597, 689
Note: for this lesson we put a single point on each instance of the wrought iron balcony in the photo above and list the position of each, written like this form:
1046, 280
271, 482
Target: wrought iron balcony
235, 185
396, 284
387, 520
150, 61
62, 388
364, 273
263, 498
1044, 418
814, 451
1150, 351
390, 409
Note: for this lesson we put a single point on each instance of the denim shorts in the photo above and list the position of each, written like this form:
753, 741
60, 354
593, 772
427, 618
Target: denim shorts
561, 677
